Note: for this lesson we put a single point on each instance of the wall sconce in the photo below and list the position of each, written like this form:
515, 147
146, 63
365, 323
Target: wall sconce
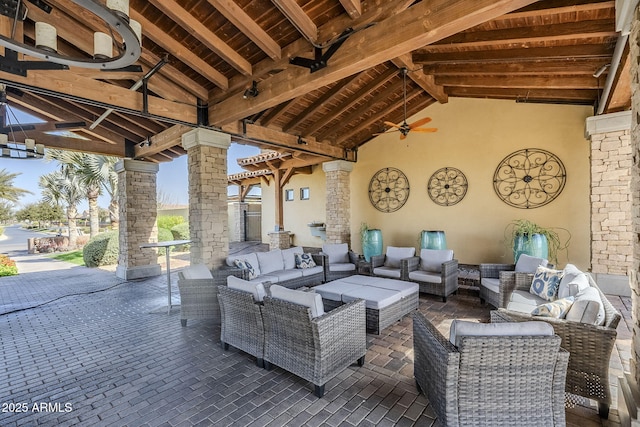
301, 141
251, 92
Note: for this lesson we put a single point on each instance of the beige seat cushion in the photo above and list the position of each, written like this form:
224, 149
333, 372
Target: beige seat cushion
197, 271
307, 299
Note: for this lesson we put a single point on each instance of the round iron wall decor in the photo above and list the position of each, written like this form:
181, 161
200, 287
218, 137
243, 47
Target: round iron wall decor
447, 186
529, 178
388, 189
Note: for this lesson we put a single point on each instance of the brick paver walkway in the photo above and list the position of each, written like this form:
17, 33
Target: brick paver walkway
105, 355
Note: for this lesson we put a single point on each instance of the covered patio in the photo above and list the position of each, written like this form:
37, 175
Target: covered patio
81, 337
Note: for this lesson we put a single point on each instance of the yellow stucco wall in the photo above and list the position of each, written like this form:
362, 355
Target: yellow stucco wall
473, 135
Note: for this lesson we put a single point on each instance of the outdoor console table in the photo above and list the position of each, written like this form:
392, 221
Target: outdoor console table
167, 245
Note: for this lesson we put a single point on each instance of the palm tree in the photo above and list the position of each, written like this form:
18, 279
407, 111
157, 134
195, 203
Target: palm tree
103, 170
8, 191
64, 186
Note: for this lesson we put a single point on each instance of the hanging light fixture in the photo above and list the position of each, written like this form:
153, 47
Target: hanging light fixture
115, 14
12, 145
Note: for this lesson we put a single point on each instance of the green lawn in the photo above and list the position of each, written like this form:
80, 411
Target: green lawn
74, 257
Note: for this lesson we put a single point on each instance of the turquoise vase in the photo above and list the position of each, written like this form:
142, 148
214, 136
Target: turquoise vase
536, 246
433, 239
372, 244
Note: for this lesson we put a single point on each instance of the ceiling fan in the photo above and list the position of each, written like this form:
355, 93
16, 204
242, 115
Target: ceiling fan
404, 128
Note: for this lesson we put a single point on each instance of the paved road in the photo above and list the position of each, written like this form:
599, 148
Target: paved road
15, 240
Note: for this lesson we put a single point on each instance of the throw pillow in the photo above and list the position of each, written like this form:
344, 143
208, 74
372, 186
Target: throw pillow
304, 261
528, 264
546, 282
244, 264
557, 308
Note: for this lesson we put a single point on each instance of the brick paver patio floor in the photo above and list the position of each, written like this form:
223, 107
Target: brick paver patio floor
81, 347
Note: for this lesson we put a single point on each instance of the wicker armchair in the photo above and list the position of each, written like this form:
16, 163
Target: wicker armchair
315, 349
389, 264
339, 261
435, 271
241, 325
491, 380
199, 297
590, 346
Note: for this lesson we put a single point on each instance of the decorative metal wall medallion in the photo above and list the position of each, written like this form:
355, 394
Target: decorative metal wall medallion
447, 186
388, 189
529, 178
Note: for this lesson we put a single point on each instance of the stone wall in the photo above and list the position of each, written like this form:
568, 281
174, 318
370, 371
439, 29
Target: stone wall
338, 194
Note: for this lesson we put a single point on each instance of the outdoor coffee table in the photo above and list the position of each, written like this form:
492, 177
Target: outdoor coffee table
386, 300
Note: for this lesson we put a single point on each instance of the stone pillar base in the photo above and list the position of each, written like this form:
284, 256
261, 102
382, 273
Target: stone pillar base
280, 240
139, 272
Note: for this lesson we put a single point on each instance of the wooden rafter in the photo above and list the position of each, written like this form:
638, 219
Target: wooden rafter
294, 13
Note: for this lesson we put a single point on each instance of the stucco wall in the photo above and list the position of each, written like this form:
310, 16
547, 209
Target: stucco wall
474, 136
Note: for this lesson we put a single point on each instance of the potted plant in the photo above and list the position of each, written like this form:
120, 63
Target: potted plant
535, 240
371, 239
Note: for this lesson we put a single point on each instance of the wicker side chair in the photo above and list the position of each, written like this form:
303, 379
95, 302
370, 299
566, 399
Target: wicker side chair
199, 296
590, 346
490, 380
389, 264
241, 326
315, 349
491, 274
435, 272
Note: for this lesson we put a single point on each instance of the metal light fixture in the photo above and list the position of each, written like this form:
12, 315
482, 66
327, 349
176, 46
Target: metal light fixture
10, 145
251, 92
115, 14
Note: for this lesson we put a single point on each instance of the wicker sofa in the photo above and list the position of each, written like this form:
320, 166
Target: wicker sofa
315, 349
278, 266
494, 380
589, 345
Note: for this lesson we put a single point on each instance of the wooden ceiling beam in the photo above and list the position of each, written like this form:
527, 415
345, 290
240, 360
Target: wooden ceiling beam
275, 112
164, 140
279, 141
330, 94
298, 18
353, 8
65, 83
578, 95
374, 85
178, 51
620, 96
207, 37
524, 66
422, 24
528, 82
421, 78
556, 7
248, 27
73, 144
509, 55
173, 75
538, 33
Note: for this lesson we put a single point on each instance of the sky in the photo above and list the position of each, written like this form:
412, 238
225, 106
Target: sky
171, 179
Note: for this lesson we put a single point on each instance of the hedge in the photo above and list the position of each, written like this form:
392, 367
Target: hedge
102, 249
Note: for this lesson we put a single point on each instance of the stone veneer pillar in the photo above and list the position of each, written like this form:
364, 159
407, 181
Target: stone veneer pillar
338, 205
138, 212
634, 56
208, 208
279, 240
238, 228
611, 201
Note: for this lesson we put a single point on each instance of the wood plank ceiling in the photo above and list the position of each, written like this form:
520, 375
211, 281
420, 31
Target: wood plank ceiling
524, 50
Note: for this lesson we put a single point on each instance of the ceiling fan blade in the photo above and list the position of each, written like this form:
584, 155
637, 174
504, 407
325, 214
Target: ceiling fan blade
424, 130
392, 124
386, 132
403, 136
420, 122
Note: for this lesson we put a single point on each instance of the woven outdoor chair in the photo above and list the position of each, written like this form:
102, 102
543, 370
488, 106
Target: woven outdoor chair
435, 272
590, 346
339, 261
199, 297
490, 380
315, 349
491, 276
241, 325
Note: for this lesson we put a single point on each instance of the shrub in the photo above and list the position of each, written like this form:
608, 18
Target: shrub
181, 232
164, 235
102, 249
7, 266
169, 222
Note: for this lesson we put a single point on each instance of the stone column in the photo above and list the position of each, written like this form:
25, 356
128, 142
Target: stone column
208, 210
611, 199
279, 240
338, 207
138, 213
634, 44
238, 228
